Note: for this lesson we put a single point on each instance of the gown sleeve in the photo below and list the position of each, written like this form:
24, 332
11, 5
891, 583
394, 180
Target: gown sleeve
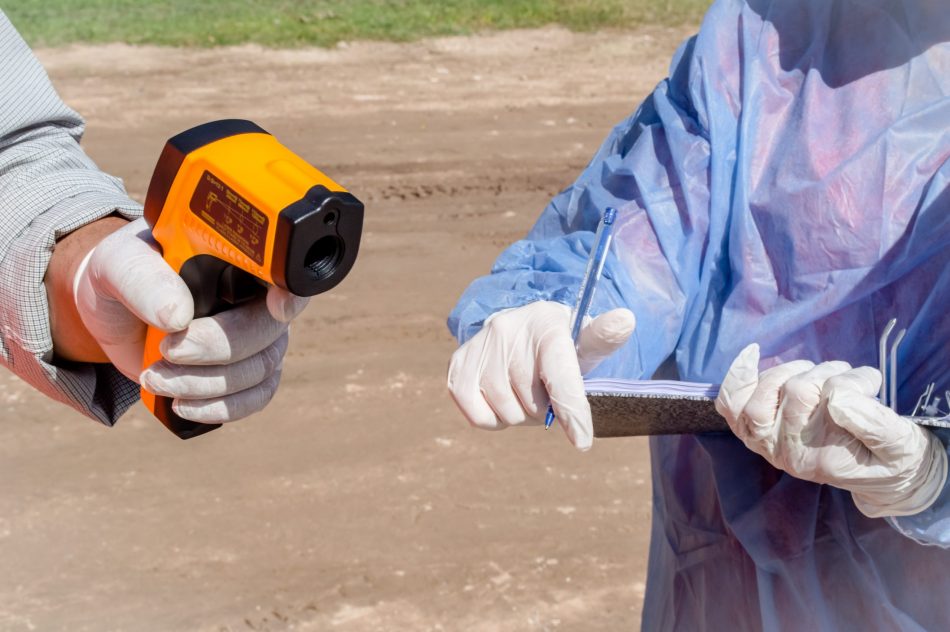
654, 168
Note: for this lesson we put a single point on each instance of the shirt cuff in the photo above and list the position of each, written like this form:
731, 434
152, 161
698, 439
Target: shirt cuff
26, 344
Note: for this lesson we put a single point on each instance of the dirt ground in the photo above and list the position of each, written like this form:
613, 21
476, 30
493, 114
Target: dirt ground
360, 499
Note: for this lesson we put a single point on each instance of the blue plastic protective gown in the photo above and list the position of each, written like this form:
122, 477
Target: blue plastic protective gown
786, 185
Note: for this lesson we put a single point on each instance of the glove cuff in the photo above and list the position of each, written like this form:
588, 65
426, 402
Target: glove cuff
80, 270
922, 490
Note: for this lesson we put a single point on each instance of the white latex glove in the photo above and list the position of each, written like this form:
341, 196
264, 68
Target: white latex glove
217, 369
524, 358
823, 424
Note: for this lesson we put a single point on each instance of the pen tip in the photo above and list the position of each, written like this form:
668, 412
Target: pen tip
549, 418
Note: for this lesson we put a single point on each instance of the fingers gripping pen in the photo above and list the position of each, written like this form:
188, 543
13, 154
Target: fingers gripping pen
595, 267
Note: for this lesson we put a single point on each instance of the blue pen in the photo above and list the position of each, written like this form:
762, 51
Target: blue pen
595, 267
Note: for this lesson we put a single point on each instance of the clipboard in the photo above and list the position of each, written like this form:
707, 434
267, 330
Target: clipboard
633, 408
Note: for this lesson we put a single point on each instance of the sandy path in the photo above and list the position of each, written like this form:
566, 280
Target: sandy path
360, 500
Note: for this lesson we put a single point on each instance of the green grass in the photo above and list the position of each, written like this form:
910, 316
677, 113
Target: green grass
284, 23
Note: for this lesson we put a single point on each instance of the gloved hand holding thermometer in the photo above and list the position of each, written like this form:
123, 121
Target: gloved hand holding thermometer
217, 369
193, 301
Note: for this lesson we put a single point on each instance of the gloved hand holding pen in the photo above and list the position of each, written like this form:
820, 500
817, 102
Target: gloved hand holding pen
524, 358
822, 423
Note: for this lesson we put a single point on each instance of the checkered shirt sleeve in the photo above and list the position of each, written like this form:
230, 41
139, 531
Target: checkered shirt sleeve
48, 187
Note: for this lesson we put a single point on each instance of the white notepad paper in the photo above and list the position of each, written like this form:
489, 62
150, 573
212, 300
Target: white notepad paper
651, 388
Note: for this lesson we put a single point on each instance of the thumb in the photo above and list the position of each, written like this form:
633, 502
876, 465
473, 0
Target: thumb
739, 385
602, 336
126, 271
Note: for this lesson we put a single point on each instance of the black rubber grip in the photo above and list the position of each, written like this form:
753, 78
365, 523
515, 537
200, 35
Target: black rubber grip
215, 286
179, 426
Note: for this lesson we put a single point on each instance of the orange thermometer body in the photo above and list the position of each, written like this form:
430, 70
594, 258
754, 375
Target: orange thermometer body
233, 211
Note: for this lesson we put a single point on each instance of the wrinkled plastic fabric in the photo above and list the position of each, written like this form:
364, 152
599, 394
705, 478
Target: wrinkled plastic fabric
786, 185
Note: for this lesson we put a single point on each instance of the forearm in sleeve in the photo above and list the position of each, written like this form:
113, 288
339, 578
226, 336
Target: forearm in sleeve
653, 168
48, 188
